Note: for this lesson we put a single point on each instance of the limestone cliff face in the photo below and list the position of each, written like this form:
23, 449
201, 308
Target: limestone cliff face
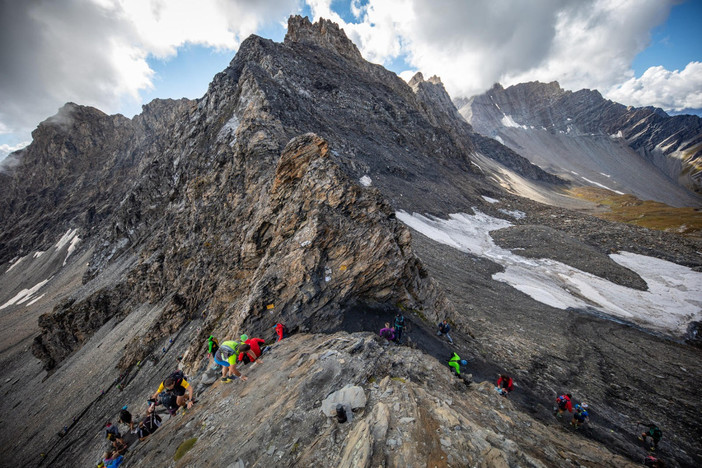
581, 131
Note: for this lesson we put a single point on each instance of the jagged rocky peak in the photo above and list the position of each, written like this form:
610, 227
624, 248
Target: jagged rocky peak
324, 33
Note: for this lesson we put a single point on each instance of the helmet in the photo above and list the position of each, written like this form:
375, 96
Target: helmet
584, 406
464, 362
244, 337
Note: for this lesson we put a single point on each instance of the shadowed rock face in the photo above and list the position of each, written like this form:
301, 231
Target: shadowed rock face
273, 198
606, 142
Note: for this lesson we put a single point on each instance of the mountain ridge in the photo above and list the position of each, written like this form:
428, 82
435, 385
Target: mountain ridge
273, 198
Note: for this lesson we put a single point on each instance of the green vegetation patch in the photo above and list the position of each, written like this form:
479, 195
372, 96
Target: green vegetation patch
183, 448
649, 214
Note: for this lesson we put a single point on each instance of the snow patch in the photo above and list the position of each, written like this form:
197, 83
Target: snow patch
499, 138
17, 262
24, 295
366, 181
490, 200
600, 185
508, 121
672, 301
619, 134
516, 214
38, 254
70, 234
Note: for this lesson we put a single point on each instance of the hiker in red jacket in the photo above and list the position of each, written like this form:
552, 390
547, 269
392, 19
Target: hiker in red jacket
280, 331
504, 384
250, 350
563, 403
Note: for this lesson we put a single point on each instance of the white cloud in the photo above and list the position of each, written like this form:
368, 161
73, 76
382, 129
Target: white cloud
471, 45
94, 52
676, 90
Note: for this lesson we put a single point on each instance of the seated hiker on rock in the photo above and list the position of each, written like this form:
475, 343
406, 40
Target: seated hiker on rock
504, 384
177, 385
653, 462
387, 332
563, 403
112, 459
118, 445
444, 329
654, 433
226, 357
580, 416
456, 362
250, 350
148, 425
399, 326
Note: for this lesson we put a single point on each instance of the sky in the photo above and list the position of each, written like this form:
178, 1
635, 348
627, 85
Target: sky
117, 55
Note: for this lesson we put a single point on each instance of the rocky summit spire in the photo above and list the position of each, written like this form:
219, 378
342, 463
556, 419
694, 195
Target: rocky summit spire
323, 33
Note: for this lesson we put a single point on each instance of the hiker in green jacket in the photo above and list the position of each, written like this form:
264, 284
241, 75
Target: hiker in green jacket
456, 362
226, 357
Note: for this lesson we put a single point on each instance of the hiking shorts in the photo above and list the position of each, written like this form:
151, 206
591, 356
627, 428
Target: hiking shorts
222, 363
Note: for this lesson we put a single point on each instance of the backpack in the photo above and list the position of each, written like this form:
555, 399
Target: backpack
212, 345
656, 433
149, 425
168, 400
178, 376
562, 401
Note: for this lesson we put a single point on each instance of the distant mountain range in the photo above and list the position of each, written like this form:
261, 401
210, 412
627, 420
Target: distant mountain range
589, 140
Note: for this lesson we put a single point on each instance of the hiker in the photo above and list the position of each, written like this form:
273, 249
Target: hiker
580, 416
112, 459
504, 384
117, 444
250, 350
653, 462
177, 385
148, 425
387, 332
111, 429
456, 362
125, 417
281, 331
654, 433
399, 326
563, 403
212, 346
444, 329
226, 357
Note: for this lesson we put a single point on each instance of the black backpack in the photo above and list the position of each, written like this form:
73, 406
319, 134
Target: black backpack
169, 400
149, 425
178, 377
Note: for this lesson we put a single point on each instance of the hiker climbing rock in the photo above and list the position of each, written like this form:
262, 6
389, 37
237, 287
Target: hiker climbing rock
653, 462
580, 416
281, 331
399, 326
444, 329
456, 362
212, 347
504, 384
177, 385
250, 350
654, 433
563, 403
387, 332
226, 357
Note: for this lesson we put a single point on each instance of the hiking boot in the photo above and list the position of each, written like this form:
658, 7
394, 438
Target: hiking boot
226, 379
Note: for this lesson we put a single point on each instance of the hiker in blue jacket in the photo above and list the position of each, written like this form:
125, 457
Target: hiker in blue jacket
444, 329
